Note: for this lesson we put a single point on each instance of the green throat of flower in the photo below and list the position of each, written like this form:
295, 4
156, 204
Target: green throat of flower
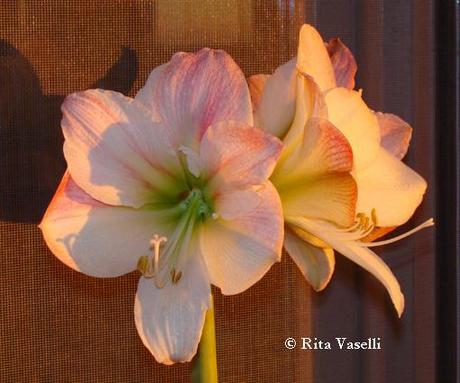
168, 254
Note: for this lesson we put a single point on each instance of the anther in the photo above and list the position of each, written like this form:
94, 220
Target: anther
175, 276
374, 217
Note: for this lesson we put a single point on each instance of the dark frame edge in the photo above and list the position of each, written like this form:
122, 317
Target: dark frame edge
448, 193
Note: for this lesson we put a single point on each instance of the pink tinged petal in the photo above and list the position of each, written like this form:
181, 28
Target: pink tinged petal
348, 112
391, 188
395, 134
234, 155
256, 85
362, 256
343, 62
115, 152
239, 251
316, 264
170, 320
313, 58
323, 150
238, 203
275, 111
315, 180
197, 90
146, 94
94, 238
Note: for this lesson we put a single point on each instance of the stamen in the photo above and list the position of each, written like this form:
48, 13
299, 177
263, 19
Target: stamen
374, 217
214, 216
144, 264
425, 224
175, 276
162, 267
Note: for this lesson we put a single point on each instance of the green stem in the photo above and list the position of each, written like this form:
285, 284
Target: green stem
204, 368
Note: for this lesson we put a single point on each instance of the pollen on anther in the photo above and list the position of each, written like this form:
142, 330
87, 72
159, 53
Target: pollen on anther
214, 216
175, 276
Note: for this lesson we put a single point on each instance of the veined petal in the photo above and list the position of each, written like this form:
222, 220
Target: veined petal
196, 90
277, 104
114, 150
314, 180
348, 112
316, 264
395, 134
234, 155
170, 320
330, 198
323, 150
391, 188
94, 238
239, 251
313, 58
362, 256
343, 62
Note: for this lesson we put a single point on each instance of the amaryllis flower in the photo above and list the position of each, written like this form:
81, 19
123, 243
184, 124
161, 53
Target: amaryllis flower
340, 177
174, 183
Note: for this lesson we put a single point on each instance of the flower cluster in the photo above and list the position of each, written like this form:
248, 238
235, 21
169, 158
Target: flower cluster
205, 175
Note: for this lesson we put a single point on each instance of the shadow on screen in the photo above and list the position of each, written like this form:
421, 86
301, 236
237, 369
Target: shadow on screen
31, 158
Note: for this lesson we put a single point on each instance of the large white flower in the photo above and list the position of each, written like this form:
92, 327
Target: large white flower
340, 177
174, 183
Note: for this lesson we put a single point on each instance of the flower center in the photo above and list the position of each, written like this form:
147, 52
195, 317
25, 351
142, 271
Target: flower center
169, 253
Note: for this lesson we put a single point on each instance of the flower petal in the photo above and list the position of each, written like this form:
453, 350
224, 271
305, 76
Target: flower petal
170, 320
323, 150
146, 94
362, 256
395, 134
94, 238
313, 58
391, 188
343, 62
237, 203
316, 264
314, 180
277, 104
256, 85
238, 252
348, 112
235, 155
196, 90
115, 152
310, 103
330, 198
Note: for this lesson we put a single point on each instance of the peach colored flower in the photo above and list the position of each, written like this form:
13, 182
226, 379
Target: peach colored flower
339, 176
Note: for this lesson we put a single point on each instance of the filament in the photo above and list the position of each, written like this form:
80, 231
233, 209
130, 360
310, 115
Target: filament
422, 226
